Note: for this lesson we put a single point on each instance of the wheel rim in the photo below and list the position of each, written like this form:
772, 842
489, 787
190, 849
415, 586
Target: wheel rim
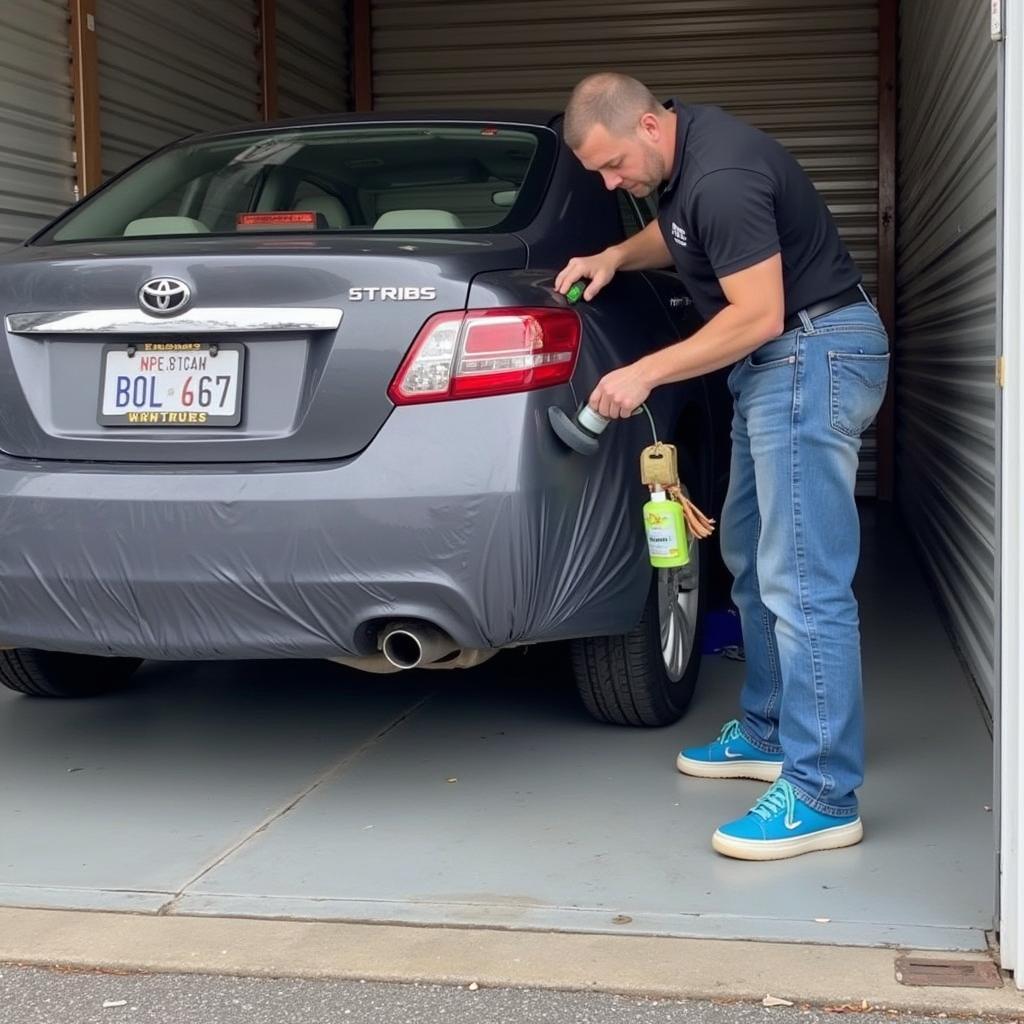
677, 612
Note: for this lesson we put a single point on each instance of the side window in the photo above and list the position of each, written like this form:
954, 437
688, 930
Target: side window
635, 213
628, 213
648, 208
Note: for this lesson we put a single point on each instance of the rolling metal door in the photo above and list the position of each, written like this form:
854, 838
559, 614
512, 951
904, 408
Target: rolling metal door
805, 71
946, 311
312, 57
37, 173
170, 69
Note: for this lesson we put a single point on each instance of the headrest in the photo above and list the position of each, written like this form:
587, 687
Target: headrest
334, 213
416, 219
166, 226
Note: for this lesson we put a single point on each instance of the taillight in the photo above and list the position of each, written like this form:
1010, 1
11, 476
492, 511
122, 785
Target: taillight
470, 353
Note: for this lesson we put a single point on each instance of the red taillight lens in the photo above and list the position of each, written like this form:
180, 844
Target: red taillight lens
476, 352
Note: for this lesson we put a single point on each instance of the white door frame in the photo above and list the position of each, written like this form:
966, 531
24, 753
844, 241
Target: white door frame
1011, 553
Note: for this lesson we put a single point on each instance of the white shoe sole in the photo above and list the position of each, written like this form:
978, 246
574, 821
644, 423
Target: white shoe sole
762, 771
779, 849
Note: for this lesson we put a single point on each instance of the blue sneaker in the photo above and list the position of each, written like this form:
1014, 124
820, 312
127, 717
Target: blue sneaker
730, 757
781, 825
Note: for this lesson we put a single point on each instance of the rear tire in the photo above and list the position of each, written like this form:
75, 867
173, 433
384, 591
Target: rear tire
646, 677
55, 674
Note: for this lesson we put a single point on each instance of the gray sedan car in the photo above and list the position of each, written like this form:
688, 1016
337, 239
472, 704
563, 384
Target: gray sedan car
283, 392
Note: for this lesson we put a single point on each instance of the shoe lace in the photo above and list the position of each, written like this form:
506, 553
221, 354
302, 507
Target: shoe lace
730, 732
781, 797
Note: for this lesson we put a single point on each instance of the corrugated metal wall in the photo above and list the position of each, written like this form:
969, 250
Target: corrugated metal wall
946, 310
312, 57
169, 69
805, 71
37, 175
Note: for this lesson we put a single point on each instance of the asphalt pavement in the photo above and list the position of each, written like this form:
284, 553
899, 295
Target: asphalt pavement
35, 996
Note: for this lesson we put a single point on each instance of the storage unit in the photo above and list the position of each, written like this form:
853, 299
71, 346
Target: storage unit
946, 326
807, 72
312, 57
166, 70
37, 174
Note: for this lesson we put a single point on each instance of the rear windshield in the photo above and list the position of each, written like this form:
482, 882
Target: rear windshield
412, 177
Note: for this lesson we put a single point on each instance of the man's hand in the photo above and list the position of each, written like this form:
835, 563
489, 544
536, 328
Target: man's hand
620, 393
599, 268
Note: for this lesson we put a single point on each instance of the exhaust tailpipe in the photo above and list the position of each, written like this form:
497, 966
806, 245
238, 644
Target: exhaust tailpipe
410, 644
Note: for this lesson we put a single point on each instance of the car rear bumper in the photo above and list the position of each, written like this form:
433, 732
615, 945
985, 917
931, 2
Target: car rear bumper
470, 518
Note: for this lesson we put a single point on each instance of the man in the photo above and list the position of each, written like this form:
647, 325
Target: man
781, 298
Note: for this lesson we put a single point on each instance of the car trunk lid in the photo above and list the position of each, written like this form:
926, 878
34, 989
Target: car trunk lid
306, 332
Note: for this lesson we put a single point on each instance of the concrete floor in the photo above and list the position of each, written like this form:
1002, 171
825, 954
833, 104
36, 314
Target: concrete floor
488, 798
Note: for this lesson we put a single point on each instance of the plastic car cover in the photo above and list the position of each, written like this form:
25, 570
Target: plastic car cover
484, 526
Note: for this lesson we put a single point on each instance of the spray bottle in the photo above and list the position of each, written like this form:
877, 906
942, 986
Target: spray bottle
666, 531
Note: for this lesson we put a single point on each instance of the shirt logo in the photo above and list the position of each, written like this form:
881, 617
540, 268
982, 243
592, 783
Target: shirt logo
678, 235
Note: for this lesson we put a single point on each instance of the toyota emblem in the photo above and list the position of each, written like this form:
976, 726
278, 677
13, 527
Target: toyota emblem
164, 296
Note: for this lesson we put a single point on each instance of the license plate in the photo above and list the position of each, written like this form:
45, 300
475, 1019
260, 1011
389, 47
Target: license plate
171, 384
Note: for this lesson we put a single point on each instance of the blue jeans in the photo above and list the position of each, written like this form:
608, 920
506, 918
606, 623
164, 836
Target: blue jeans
791, 539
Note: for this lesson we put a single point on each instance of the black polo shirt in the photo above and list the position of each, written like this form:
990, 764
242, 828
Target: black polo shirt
736, 197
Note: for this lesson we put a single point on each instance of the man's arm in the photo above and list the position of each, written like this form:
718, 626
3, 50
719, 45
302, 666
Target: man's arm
754, 315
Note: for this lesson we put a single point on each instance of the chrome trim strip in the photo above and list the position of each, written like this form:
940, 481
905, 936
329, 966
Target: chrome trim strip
194, 321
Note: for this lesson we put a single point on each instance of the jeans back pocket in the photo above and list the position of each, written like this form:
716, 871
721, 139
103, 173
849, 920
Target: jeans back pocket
857, 384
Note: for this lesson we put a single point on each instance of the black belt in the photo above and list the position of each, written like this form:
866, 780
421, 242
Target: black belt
847, 298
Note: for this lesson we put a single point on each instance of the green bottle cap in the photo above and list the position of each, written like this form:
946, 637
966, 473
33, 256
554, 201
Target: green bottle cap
575, 293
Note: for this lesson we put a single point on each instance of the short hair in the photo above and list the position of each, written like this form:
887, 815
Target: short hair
610, 99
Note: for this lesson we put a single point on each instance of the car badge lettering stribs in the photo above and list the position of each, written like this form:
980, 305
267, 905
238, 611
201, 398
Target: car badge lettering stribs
392, 294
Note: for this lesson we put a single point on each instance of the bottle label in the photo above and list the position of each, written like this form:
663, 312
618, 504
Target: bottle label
662, 538
662, 543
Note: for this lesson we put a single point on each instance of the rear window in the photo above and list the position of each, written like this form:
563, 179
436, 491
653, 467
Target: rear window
413, 177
